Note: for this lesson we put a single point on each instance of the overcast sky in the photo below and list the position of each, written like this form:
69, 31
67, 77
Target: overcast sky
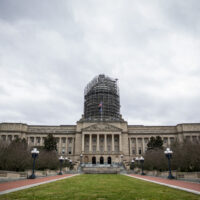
50, 50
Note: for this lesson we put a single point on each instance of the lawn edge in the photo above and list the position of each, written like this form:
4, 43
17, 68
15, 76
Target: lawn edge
168, 185
35, 184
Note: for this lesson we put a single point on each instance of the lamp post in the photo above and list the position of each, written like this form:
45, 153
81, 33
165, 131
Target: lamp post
168, 154
137, 160
142, 164
132, 164
61, 159
81, 157
34, 153
70, 163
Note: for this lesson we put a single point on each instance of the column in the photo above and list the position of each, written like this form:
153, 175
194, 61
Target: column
83, 142
113, 146
34, 143
120, 142
97, 142
66, 145
143, 146
136, 145
105, 143
40, 141
72, 145
130, 144
90, 143
60, 144
168, 141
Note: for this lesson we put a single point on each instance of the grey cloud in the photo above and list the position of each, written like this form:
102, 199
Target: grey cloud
50, 50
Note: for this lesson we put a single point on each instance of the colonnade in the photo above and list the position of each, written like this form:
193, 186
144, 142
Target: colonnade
139, 144
105, 143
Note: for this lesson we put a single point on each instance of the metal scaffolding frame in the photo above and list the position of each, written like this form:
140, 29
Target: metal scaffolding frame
102, 89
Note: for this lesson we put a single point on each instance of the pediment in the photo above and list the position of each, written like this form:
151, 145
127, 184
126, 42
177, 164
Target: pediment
102, 127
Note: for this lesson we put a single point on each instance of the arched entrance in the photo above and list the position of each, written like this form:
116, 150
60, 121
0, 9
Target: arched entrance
109, 160
86, 159
94, 160
101, 160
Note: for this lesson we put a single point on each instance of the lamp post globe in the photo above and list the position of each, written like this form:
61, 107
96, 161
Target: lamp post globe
142, 164
168, 153
34, 154
61, 159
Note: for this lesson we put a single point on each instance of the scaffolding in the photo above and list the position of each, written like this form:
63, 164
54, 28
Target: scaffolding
101, 99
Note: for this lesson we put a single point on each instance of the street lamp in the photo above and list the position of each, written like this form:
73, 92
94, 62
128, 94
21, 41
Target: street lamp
168, 154
61, 159
34, 153
132, 164
142, 162
70, 163
81, 156
137, 160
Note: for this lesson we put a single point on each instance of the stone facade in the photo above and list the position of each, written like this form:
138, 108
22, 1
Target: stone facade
103, 142
101, 135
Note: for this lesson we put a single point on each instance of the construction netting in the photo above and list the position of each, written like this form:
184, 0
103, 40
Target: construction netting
101, 99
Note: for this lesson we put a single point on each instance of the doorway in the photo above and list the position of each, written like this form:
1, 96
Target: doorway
101, 160
109, 160
94, 160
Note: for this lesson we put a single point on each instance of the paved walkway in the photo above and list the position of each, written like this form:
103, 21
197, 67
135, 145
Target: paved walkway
12, 186
181, 185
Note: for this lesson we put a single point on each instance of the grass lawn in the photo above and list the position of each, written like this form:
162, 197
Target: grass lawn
101, 187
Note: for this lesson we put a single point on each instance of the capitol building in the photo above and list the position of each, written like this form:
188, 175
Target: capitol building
101, 135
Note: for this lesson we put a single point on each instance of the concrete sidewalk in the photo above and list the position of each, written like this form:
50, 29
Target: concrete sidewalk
12, 186
181, 185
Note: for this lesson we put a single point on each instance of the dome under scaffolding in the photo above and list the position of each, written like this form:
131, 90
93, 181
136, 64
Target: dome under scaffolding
101, 99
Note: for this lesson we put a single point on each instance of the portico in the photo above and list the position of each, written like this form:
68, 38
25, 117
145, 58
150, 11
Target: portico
106, 143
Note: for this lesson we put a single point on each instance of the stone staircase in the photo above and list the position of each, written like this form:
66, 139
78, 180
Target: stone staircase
102, 169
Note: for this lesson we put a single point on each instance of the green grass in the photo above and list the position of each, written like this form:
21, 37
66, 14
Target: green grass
101, 187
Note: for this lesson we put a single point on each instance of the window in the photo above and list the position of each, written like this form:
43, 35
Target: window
133, 151
194, 138
133, 140
187, 138
32, 139
140, 151
171, 140
101, 148
38, 140
16, 136
63, 140
94, 148
116, 148
10, 138
3, 137
70, 140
